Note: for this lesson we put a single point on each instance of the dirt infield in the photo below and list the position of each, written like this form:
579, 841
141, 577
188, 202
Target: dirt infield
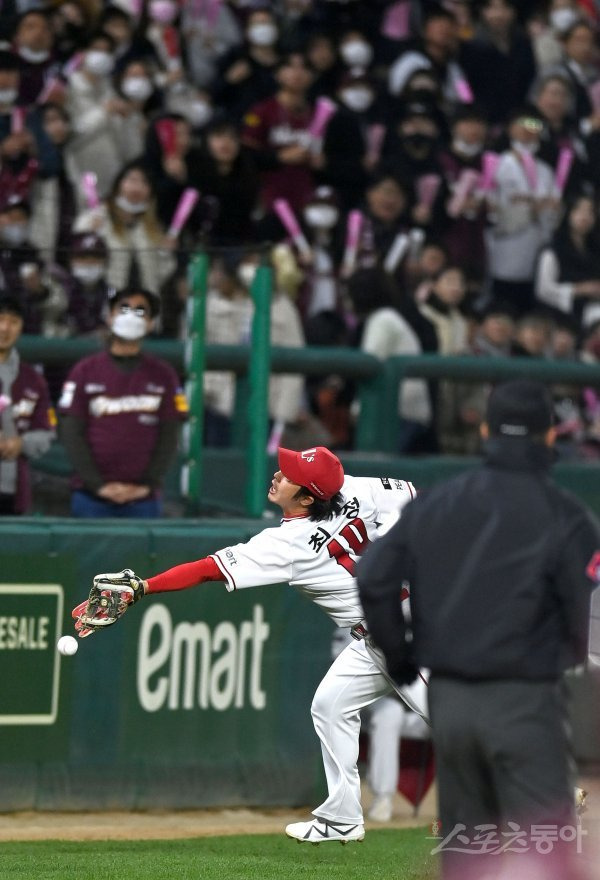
156, 825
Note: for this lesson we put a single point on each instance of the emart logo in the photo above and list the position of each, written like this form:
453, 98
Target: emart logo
30, 624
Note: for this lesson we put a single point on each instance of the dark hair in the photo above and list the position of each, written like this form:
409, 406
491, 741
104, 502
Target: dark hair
436, 11
115, 12
370, 289
101, 35
11, 305
469, 113
134, 165
8, 61
115, 297
319, 509
286, 59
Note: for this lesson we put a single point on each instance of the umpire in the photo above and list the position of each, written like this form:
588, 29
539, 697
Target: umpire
500, 564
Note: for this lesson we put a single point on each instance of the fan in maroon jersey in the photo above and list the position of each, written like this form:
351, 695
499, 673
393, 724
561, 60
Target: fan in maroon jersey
120, 416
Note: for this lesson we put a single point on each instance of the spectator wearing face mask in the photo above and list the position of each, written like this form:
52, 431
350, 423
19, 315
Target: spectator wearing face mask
136, 86
461, 221
193, 104
355, 50
22, 275
246, 74
546, 35
346, 157
99, 116
115, 395
139, 252
86, 284
321, 215
163, 33
522, 210
412, 147
33, 43
439, 50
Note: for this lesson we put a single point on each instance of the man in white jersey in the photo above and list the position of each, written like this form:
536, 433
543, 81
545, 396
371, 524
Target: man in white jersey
328, 520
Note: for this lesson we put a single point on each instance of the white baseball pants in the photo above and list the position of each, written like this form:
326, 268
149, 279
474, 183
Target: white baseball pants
389, 721
355, 680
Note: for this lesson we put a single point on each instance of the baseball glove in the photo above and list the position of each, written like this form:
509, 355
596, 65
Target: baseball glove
110, 597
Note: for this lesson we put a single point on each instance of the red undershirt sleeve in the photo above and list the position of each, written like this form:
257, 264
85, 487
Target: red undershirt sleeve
187, 575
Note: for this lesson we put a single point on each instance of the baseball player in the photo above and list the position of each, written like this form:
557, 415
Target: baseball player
328, 520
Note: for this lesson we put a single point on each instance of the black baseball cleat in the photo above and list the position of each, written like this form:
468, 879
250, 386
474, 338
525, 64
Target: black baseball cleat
320, 831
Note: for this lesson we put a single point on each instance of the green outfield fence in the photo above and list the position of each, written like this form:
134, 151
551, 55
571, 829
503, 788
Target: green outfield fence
198, 698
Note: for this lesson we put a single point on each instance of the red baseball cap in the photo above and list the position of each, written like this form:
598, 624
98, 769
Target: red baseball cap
317, 469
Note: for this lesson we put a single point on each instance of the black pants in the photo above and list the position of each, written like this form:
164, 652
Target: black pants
502, 756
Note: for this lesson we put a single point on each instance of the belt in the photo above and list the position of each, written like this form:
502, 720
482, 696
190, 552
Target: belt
359, 632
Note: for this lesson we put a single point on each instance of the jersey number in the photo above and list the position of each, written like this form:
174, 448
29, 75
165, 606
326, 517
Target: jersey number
355, 533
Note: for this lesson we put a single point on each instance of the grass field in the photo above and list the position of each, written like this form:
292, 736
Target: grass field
384, 855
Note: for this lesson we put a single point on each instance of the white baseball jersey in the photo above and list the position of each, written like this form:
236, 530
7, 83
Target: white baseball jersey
319, 557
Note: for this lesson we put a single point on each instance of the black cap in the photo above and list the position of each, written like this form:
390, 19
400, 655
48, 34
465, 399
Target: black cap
519, 408
87, 244
115, 296
11, 304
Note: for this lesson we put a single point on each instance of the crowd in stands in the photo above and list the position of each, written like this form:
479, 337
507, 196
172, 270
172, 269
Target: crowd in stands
426, 174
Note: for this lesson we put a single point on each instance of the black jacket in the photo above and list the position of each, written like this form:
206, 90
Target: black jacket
496, 562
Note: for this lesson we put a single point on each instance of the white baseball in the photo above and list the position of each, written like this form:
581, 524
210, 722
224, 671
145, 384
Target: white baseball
67, 645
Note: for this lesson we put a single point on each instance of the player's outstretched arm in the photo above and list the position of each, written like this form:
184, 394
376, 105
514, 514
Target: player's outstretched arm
112, 594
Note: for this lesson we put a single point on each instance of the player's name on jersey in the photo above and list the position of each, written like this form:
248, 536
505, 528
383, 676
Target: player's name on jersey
189, 665
24, 633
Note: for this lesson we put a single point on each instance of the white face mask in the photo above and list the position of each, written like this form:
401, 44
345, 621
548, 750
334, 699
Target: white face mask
562, 19
129, 326
99, 63
87, 274
137, 88
163, 11
198, 113
8, 96
321, 216
246, 273
262, 34
470, 150
356, 53
357, 99
14, 234
33, 56
522, 147
131, 207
